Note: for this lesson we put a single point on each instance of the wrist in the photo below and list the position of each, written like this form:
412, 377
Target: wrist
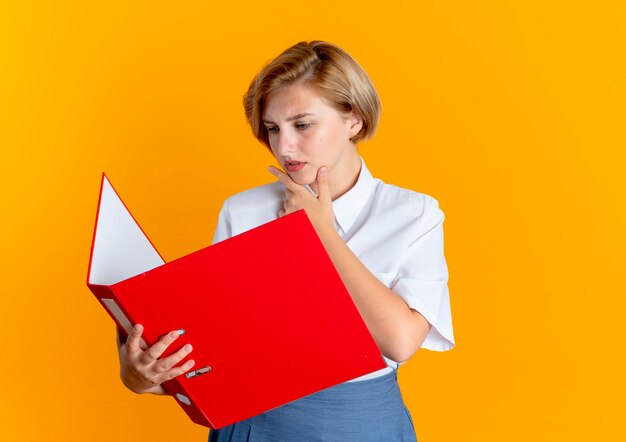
142, 389
327, 233
157, 390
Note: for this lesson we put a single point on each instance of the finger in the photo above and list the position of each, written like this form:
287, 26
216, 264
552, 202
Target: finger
177, 371
167, 363
154, 352
285, 179
132, 342
322, 185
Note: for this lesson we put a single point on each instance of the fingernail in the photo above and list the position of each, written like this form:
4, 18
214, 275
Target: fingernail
187, 348
271, 169
190, 363
174, 334
323, 171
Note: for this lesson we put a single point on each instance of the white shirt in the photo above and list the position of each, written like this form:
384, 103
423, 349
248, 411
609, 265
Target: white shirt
396, 233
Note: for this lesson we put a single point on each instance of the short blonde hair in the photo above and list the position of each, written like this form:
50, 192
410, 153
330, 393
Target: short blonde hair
340, 80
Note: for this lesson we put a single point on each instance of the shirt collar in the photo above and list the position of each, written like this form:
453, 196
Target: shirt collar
349, 205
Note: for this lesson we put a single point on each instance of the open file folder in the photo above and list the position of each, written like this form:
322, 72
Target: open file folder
270, 320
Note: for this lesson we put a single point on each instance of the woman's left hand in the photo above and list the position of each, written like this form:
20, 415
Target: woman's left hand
319, 209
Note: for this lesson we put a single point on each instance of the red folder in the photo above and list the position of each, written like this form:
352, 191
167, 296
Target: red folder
267, 314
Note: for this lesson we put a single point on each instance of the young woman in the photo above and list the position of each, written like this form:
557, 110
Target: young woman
311, 106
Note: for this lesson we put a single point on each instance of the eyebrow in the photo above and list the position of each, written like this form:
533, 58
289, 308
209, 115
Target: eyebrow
295, 117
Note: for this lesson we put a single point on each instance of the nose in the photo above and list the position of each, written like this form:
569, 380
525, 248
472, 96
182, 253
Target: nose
285, 144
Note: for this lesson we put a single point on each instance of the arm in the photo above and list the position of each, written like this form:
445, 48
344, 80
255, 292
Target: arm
398, 330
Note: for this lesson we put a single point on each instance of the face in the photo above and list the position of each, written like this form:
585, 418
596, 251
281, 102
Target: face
306, 133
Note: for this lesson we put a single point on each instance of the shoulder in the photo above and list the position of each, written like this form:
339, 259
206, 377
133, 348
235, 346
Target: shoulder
406, 202
253, 207
255, 199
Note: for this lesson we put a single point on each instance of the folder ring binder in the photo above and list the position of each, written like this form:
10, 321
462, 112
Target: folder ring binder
198, 372
182, 398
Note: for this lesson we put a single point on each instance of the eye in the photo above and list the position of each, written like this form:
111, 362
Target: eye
271, 129
302, 126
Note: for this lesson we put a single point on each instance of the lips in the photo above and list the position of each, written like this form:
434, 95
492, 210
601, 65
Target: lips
294, 166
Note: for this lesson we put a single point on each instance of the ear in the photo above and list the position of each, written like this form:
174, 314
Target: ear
356, 123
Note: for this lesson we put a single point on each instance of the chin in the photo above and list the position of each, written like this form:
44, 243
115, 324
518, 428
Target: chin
303, 179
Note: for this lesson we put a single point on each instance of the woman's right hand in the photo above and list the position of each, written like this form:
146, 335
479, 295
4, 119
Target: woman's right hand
142, 371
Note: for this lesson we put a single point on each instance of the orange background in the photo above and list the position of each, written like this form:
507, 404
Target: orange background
511, 115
